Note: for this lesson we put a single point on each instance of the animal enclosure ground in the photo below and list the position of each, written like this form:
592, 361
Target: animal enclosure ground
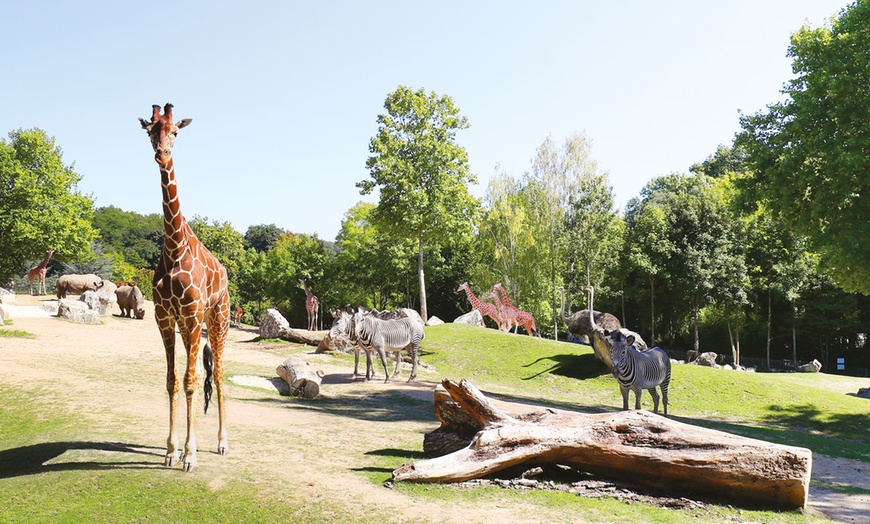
109, 382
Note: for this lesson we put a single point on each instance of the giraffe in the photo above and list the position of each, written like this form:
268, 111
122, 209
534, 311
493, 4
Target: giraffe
507, 314
38, 271
238, 313
190, 288
312, 304
523, 318
486, 309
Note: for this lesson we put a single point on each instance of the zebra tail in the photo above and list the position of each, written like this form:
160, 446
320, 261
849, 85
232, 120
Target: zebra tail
208, 364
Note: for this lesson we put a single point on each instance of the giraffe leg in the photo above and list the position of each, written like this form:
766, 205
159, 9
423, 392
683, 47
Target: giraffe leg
191, 335
218, 327
166, 324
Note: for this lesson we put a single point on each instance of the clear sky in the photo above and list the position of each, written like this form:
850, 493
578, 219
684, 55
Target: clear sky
284, 95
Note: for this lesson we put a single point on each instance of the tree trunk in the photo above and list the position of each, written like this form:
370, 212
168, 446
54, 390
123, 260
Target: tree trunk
695, 309
652, 310
637, 446
423, 310
302, 380
768, 327
295, 336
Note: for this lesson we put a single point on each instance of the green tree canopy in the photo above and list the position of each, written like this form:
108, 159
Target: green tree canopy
40, 206
810, 154
262, 236
420, 171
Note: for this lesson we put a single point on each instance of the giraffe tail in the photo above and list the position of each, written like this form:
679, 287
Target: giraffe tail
208, 364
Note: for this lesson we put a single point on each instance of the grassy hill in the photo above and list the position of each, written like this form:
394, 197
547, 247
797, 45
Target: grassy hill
811, 410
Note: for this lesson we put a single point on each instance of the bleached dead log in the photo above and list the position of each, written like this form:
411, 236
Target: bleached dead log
298, 375
636, 446
296, 336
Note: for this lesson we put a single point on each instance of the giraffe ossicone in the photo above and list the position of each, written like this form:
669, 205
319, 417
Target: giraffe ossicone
190, 292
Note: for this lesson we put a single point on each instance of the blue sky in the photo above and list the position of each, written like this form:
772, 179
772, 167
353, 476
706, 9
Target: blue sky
284, 95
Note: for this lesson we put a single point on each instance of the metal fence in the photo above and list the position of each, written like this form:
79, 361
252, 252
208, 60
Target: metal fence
775, 365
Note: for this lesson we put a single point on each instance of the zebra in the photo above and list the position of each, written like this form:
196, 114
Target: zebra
374, 334
342, 325
639, 370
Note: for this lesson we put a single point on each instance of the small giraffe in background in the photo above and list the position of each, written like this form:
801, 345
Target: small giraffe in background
237, 315
190, 292
523, 318
38, 271
486, 309
312, 305
508, 315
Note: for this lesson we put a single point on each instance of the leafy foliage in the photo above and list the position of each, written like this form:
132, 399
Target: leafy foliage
40, 206
420, 171
809, 152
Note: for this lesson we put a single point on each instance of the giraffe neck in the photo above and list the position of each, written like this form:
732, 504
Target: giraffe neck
475, 302
173, 220
505, 299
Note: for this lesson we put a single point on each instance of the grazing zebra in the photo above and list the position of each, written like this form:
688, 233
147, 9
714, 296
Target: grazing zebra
342, 325
374, 334
639, 370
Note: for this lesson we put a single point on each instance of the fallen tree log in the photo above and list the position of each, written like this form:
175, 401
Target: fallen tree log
295, 336
636, 446
302, 380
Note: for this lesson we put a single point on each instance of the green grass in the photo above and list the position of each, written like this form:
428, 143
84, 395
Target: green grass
15, 333
795, 409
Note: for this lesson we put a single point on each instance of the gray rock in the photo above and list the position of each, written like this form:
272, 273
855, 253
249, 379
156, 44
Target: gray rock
77, 311
707, 359
811, 367
272, 324
434, 321
474, 318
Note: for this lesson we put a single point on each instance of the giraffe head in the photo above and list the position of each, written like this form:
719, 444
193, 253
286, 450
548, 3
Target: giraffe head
162, 132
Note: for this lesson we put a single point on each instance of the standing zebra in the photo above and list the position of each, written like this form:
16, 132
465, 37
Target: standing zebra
639, 370
372, 333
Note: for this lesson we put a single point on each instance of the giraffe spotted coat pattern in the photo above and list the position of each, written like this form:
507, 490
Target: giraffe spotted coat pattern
190, 292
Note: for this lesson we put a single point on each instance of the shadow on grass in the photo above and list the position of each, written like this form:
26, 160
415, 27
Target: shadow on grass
29, 460
578, 367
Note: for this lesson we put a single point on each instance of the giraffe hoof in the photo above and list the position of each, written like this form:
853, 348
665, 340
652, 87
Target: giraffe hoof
171, 459
223, 450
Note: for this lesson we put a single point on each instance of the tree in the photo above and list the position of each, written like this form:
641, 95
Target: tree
374, 269
40, 206
262, 237
809, 153
224, 242
421, 172
139, 238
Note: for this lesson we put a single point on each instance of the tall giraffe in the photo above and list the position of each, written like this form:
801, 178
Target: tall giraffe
190, 287
486, 309
523, 318
312, 305
38, 271
507, 314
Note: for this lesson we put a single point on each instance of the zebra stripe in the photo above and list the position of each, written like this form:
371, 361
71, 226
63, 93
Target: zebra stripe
640, 370
372, 333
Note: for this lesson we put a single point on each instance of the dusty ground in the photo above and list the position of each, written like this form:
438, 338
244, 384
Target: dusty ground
114, 374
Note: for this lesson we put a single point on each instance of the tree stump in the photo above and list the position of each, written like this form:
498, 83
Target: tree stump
637, 446
302, 380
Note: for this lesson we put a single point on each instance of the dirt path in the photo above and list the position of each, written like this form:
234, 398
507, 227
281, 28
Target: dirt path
113, 374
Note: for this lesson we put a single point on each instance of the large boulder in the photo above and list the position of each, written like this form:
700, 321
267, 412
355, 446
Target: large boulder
77, 311
434, 321
4, 314
272, 324
811, 367
707, 359
474, 318
863, 393
100, 301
